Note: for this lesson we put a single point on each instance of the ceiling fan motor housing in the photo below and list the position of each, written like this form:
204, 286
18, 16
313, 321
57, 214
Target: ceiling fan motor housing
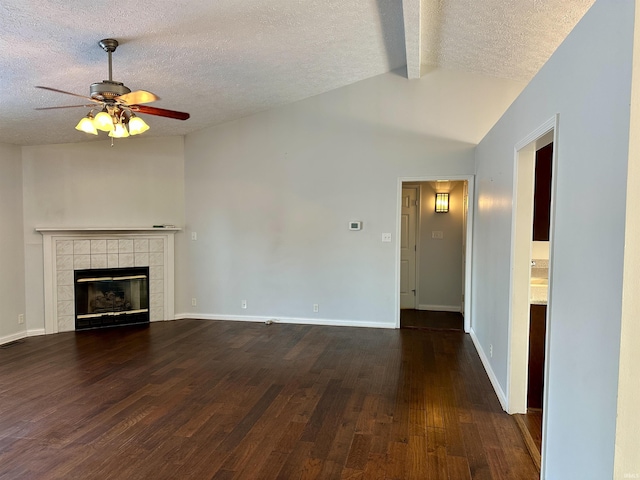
107, 90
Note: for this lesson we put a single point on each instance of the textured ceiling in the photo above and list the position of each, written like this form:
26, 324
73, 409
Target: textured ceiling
501, 38
226, 59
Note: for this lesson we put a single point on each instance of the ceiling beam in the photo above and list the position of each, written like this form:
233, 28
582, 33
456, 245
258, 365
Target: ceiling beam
411, 12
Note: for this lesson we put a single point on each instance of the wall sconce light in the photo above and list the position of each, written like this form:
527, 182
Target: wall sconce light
442, 202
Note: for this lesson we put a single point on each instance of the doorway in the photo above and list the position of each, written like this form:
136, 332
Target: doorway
412, 281
531, 277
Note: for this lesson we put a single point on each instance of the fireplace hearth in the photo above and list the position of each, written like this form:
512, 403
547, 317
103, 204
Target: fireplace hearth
109, 297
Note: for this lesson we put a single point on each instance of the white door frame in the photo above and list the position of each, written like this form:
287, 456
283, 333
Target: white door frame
521, 235
467, 287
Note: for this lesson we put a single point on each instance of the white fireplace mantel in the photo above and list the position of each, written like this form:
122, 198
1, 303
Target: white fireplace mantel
66, 249
91, 230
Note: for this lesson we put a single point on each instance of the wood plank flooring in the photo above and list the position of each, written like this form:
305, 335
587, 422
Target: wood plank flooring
530, 425
231, 400
428, 319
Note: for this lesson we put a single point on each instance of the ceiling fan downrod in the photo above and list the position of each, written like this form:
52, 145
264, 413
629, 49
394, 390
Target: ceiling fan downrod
109, 45
107, 90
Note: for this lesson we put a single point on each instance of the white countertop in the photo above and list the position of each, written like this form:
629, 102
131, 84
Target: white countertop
538, 294
539, 287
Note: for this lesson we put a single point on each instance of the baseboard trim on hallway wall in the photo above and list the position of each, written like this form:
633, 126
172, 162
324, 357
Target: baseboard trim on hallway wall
440, 308
13, 337
36, 332
487, 367
294, 320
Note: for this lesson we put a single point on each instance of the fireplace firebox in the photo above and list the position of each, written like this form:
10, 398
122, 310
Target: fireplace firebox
109, 297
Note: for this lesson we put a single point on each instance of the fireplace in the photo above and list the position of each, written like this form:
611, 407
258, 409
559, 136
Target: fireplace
109, 297
67, 250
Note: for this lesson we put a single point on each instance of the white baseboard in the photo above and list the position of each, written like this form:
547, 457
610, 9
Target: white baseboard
35, 332
487, 366
13, 337
296, 320
440, 308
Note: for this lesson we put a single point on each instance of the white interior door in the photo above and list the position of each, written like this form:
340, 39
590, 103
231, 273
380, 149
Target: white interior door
408, 249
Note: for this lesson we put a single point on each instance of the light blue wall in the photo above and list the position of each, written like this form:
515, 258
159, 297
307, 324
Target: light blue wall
587, 82
11, 245
440, 276
270, 196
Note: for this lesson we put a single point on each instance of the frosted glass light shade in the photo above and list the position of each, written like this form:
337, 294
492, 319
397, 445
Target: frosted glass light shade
119, 131
86, 125
137, 126
442, 202
104, 122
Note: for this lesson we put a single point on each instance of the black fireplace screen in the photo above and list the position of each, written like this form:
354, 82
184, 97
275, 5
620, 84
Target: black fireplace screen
111, 296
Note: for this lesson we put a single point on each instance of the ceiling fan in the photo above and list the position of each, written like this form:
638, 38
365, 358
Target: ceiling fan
117, 105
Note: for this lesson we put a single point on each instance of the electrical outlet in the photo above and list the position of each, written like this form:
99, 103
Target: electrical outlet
21, 318
386, 237
316, 307
491, 350
194, 236
244, 304
194, 302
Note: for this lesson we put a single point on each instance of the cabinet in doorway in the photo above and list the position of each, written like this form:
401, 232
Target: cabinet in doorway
542, 194
537, 334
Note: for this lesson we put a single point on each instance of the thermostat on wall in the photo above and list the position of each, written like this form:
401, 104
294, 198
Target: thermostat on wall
355, 225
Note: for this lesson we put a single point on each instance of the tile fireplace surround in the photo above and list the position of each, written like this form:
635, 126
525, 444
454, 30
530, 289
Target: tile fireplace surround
68, 249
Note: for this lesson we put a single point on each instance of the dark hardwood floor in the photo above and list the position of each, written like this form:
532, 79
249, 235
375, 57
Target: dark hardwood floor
530, 425
219, 400
428, 319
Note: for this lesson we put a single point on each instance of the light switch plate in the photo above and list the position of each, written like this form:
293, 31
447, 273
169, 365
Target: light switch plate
437, 234
386, 237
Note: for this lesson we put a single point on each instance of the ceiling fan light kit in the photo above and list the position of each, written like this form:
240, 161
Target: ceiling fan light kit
119, 131
86, 125
117, 104
103, 121
137, 125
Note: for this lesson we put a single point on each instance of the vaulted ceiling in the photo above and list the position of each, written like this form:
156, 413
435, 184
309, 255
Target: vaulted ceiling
227, 59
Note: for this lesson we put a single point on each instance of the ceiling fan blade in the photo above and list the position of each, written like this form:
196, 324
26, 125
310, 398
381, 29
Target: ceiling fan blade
137, 97
65, 106
68, 93
161, 112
